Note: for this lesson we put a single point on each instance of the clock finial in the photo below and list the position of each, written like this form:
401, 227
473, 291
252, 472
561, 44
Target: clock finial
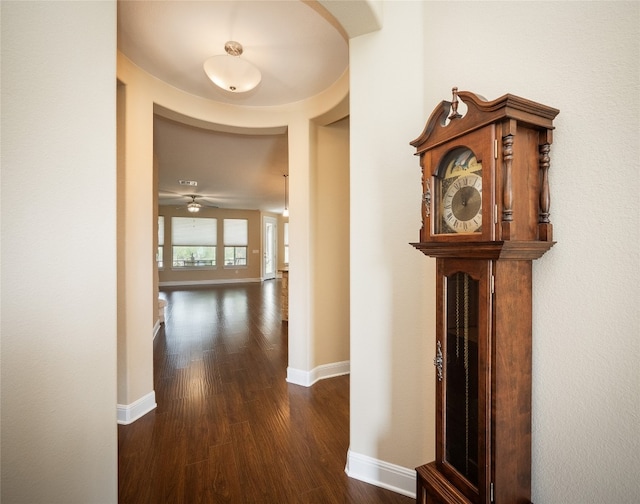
454, 105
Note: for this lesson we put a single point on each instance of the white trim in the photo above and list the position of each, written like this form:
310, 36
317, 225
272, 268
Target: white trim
156, 328
298, 377
129, 413
187, 283
382, 474
308, 378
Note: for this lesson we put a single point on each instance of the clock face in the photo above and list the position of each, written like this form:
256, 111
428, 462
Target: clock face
460, 193
462, 204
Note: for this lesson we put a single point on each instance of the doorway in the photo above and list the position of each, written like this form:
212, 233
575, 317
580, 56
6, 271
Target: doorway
269, 247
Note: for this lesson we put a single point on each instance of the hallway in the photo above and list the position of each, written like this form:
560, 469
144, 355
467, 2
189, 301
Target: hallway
228, 427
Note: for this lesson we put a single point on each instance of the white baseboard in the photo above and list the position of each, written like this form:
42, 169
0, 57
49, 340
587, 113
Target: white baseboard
195, 283
129, 413
308, 378
382, 474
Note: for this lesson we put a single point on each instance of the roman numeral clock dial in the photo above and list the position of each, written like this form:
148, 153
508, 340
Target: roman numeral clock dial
462, 205
458, 185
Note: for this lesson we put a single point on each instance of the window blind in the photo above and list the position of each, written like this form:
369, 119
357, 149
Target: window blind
235, 232
187, 231
160, 230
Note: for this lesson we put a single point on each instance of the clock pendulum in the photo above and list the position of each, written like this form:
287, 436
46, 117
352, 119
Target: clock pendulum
466, 372
461, 351
457, 316
463, 328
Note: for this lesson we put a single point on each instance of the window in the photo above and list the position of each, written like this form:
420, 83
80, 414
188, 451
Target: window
193, 241
286, 243
235, 242
160, 250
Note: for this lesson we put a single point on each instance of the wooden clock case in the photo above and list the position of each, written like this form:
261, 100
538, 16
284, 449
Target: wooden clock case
511, 137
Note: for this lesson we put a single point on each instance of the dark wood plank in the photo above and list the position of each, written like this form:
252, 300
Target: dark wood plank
228, 427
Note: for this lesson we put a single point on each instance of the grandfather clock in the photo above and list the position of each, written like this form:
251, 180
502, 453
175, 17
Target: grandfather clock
485, 218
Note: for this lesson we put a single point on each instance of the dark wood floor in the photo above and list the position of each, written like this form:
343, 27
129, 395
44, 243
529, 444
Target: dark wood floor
228, 427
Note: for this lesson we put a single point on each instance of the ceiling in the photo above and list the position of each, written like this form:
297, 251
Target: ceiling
300, 50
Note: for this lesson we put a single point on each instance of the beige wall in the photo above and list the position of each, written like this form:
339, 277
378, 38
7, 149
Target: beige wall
331, 243
120, 239
135, 238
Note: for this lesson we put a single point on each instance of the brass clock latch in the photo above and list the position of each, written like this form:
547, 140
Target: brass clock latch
437, 361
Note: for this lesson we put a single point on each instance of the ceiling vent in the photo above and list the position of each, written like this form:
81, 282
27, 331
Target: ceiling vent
191, 183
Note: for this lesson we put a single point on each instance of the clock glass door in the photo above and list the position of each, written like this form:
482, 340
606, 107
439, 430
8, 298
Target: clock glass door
461, 423
464, 389
458, 183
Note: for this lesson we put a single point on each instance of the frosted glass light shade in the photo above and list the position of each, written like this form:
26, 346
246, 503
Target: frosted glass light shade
232, 73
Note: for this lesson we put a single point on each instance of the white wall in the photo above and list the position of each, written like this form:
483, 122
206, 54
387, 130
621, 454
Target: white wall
58, 437
392, 289
584, 59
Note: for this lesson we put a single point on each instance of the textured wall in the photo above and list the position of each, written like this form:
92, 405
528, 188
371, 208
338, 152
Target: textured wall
392, 289
584, 59
580, 57
59, 438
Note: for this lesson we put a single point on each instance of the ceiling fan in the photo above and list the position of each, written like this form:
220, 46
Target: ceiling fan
193, 206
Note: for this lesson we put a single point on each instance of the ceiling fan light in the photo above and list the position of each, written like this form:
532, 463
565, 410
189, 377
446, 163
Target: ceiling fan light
232, 73
193, 207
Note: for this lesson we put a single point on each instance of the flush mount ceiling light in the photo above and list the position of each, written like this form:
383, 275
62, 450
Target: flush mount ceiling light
231, 72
